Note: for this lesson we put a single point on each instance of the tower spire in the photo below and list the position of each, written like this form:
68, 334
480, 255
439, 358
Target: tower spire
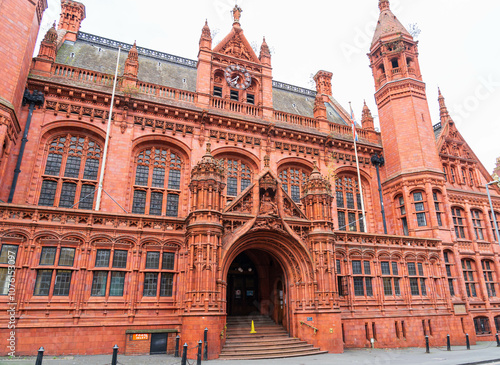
443, 110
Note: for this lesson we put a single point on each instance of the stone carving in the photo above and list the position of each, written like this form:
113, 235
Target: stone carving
268, 206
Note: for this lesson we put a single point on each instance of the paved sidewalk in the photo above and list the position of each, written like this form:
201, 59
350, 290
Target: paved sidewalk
482, 353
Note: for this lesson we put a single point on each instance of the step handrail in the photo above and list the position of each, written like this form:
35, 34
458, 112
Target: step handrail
308, 325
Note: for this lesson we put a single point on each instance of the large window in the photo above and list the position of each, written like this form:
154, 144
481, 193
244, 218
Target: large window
8, 257
292, 180
417, 278
54, 271
349, 211
390, 278
157, 182
418, 201
489, 277
458, 221
468, 269
362, 280
482, 325
159, 274
239, 176
477, 222
71, 170
109, 273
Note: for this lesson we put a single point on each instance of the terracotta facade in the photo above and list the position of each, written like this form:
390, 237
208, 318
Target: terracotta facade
226, 192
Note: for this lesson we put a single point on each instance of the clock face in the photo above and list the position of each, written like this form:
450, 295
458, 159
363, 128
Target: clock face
237, 77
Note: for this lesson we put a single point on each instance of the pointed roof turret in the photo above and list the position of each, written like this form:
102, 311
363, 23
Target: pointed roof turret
265, 54
387, 23
48, 47
206, 37
132, 64
367, 118
443, 110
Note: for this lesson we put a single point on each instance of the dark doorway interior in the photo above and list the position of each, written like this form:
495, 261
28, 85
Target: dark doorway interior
158, 343
243, 295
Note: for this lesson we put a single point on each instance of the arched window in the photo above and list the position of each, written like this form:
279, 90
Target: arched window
419, 204
349, 211
292, 179
477, 218
157, 182
469, 269
401, 212
458, 221
489, 277
471, 178
482, 325
239, 176
452, 170
497, 220
70, 176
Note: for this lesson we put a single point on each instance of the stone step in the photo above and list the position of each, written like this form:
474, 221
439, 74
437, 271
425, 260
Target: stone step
271, 355
249, 348
260, 340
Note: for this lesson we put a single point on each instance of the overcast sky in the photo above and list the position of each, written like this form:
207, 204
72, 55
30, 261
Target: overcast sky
458, 44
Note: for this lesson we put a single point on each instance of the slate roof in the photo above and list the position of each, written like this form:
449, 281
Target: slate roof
388, 24
98, 54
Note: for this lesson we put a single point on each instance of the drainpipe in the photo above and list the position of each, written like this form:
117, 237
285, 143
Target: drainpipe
377, 161
34, 99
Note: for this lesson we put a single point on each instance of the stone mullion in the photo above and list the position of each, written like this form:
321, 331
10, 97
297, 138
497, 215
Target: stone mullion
25, 261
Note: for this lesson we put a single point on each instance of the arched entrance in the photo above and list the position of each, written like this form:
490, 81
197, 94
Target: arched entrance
255, 285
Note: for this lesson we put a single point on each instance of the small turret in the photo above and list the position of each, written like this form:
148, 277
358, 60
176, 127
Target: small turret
206, 38
72, 15
47, 53
367, 119
131, 67
317, 197
443, 110
265, 54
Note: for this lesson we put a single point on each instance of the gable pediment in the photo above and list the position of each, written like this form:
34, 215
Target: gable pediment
236, 45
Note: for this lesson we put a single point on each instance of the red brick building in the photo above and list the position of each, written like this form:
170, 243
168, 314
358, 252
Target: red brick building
227, 193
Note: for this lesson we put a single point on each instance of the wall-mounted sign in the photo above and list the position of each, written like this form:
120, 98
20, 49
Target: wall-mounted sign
140, 336
309, 319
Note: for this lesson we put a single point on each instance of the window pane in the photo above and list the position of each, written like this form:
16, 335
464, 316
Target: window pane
156, 203
422, 222
420, 269
62, 284
48, 256
53, 165
295, 193
356, 267
87, 197
99, 283
158, 177
422, 286
139, 204
68, 192
47, 193
450, 286
117, 283
150, 284
369, 290
168, 261
397, 290
167, 280
67, 256
172, 205
120, 259
245, 183
414, 286
358, 286
394, 268
340, 199
102, 258
419, 207
367, 267
352, 222
412, 271
174, 179
232, 186
5, 281
341, 219
8, 253
42, 284
387, 286
417, 197
141, 175
72, 166
350, 200
153, 260
91, 169
386, 270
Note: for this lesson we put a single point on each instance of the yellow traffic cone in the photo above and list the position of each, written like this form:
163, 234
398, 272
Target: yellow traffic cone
252, 330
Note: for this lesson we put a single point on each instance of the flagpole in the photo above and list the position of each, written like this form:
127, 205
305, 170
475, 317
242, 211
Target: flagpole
105, 153
357, 168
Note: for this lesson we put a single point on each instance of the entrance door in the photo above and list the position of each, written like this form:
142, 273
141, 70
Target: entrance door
243, 295
158, 343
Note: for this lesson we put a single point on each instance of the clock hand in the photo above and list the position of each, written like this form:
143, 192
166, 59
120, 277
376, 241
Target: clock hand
235, 79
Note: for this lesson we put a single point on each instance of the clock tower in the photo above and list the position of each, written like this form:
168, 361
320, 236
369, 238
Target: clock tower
231, 76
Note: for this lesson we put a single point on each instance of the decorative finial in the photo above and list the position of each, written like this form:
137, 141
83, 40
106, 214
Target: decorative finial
384, 5
236, 14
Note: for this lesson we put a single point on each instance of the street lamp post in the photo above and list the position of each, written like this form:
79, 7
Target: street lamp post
493, 216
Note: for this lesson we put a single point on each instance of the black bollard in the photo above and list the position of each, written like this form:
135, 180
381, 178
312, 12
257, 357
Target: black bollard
114, 359
498, 340
184, 354
177, 339
198, 358
467, 341
205, 340
448, 343
39, 357
427, 350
